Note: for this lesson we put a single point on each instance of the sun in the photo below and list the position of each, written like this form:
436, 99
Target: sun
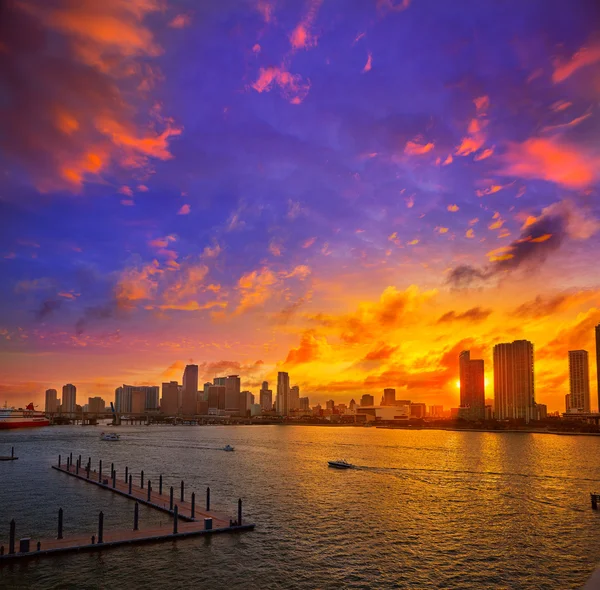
458, 384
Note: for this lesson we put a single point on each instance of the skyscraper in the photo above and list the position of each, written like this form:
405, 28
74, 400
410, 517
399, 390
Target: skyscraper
514, 392
189, 390
579, 381
295, 397
152, 395
598, 362
367, 400
266, 397
169, 404
283, 394
69, 398
472, 386
51, 400
389, 397
234, 401
304, 403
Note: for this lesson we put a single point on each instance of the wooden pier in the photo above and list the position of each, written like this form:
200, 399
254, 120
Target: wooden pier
195, 520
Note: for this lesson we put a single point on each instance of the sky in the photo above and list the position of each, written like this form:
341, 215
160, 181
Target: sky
353, 191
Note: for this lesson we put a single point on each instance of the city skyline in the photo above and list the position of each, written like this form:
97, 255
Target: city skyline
350, 196
513, 389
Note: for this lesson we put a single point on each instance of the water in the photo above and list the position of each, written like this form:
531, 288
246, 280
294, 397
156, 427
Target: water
424, 509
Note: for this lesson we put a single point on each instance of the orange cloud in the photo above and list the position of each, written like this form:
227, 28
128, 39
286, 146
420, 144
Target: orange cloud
368, 65
572, 123
484, 154
308, 243
561, 105
301, 37
441, 230
275, 248
292, 87
469, 233
453, 208
586, 56
184, 210
266, 9
181, 21
77, 120
553, 161
312, 348
476, 136
414, 148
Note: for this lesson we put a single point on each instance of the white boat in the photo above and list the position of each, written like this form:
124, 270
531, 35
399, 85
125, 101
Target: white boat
109, 436
228, 448
340, 464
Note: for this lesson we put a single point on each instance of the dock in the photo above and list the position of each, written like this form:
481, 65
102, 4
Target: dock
10, 457
188, 518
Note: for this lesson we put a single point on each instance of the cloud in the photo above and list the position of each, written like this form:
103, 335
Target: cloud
301, 37
309, 242
476, 135
569, 124
184, 210
537, 241
311, 348
586, 56
415, 148
125, 190
470, 233
475, 314
551, 160
47, 308
292, 87
384, 6
69, 118
381, 352
453, 208
369, 64
543, 305
181, 21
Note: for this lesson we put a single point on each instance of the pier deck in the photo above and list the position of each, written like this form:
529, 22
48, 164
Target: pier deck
187, 525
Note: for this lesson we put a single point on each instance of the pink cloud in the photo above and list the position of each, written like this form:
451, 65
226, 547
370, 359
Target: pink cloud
185, 210
413, 148
368, 65
181, 21
292, 86
125, 190
586, 56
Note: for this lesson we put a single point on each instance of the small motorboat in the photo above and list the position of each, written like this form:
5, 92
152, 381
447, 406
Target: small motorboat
109, 436
228, 448
340, 464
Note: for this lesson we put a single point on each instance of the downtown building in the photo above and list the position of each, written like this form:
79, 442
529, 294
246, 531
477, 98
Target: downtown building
266, 397
283, 394
514, 392
578, 400
598, 362
189, 390
51, 401
472, 387
69, 398
136, 399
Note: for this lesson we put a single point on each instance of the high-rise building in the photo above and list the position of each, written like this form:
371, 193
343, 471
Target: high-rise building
206, 386
304, 404
169, 404
418, 410
436, 411
96, 405
514, 391
367, 400
232, 384
389, 397
51, 401
295, 397
330, 405
352, 405
69, 398
472, 386
579, 381
152, 395
124, 397
266, 397
598, 362
216, 397
138, 400
283, 394
189, 390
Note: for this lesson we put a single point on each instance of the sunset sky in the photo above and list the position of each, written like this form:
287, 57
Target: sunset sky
352, 191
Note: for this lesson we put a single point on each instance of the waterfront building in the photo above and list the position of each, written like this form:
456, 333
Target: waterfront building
255, 410
189, 390
216, 397
541, 411
205, 390
138, 400
266, 397
233, 399
51, 401
598, 362
294, 397
96, 405
385, 413
283, 394
418, 410
330, 405
436, 411
514, 392
69, 398
152, 394
579, 381
389, 397
169, 404
352, 405
304, 404
367, 400
472, 386
124, 398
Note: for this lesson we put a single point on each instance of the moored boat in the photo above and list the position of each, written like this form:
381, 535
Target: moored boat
228, 448
340, 464
22, 418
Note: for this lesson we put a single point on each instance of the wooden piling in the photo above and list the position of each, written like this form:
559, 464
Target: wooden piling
207, 499
142, 479
136, 517
149, 490
126, 473
130, 483
60, 523
160, 485
11, 539
240, 512
171, 499
175, 518
100, 527
182, 485
193, 508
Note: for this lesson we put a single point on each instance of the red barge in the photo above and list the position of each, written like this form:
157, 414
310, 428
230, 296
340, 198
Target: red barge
22, 418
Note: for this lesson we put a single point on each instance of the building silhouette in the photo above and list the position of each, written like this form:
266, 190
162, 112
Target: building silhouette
472, 386
189, 390
96, 405
169, 403
266, 397
304, 403
578, 399
514, 392
216, 397
283, 394
51, 400
69, 398
294, 397
367, 400
389, 397
598, 362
